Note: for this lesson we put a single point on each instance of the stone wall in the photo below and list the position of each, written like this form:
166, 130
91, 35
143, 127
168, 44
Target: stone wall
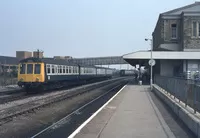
190, 43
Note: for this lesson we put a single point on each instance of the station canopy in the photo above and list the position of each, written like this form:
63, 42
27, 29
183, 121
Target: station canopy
142, 57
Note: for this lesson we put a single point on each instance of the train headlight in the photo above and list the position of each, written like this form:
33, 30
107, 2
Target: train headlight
37, 79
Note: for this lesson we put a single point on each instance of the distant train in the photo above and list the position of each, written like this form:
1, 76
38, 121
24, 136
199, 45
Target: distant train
35, 73
124, 72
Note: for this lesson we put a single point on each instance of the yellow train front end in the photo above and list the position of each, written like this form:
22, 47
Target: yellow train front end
31, 75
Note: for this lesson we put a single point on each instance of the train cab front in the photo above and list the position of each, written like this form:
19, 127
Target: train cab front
31, 75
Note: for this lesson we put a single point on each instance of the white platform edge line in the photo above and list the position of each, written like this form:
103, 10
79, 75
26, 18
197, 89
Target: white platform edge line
91, 117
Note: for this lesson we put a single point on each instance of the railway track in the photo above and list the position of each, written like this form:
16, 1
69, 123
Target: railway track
73, 119
13, 95
12, 109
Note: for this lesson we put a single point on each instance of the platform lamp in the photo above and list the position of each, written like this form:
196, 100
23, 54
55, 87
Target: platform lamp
151, 79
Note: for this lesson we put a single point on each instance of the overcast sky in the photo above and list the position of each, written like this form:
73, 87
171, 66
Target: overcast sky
79, 28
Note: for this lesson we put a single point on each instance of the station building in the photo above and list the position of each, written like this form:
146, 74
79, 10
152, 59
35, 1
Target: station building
175, 43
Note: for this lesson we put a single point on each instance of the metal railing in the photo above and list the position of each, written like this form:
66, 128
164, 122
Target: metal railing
187, 91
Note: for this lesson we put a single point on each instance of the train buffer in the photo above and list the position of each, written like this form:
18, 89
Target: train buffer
130, 114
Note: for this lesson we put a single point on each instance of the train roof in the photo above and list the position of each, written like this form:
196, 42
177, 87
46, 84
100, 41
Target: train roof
56, 61
47, 60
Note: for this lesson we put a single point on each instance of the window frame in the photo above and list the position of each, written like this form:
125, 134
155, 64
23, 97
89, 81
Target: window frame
58, 69
64, 69
194, 30
61, 69
27, 72
24, 67
53, 69
35, 69
48, 69
172, 31
70, 71
67, 70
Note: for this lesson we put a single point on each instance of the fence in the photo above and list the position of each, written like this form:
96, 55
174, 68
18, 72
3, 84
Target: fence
4, 81
8, 76
187, 91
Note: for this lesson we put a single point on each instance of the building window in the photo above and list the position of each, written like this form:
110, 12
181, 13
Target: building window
194, 29
174, 31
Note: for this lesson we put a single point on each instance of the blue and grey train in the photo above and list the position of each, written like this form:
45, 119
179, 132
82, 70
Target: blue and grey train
48, 73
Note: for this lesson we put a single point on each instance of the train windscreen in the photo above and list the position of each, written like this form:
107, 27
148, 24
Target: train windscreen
37, 68
22, 68
29, 68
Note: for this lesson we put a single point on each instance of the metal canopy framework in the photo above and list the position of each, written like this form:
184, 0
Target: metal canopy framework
99, 60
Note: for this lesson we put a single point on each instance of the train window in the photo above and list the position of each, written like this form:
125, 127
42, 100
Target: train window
53, 69
64, 69
77, 70
69, 69
60, 69
56, 68
74, 70
22, 68
29, 68
37, 68
48, 69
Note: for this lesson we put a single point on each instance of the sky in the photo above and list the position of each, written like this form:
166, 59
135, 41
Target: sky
80, 28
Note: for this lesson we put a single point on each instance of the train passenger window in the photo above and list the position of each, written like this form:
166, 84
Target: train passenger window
74, 70
53, 69
58, 69
37, 68
64, 69
48, 69
77, 70
67, 69
29, 68
22, 68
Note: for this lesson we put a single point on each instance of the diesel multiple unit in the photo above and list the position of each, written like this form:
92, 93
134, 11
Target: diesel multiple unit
51, 73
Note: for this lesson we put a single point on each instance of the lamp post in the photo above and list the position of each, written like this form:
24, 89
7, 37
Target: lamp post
151, 64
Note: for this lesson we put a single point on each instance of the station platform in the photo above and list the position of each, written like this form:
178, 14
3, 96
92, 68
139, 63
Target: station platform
131, 114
